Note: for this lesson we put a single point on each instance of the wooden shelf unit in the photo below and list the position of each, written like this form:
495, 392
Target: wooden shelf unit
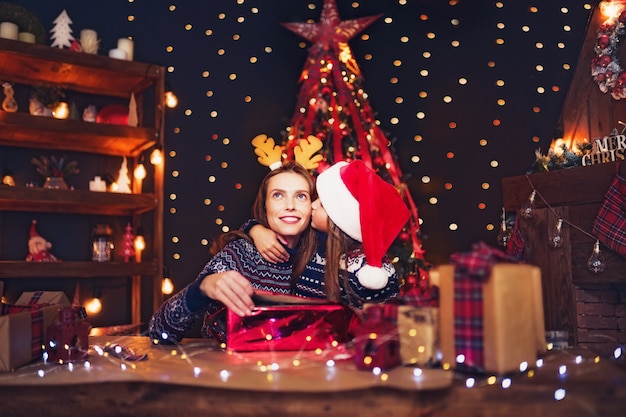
31, 65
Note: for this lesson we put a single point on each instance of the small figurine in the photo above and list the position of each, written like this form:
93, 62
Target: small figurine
38, 247
89, 114
8, 104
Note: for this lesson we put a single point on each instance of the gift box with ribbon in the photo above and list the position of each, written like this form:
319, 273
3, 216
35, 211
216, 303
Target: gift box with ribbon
280, 322
490, 312
23, 326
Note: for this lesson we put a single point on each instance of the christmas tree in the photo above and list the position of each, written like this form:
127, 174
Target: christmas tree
127, 244
333, 106
61, 32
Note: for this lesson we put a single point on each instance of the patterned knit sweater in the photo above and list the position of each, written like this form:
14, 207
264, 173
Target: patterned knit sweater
181, 312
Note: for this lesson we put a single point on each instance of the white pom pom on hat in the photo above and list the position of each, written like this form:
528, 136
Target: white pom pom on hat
366, 208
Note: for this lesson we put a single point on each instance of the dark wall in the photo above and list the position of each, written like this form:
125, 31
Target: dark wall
464, 147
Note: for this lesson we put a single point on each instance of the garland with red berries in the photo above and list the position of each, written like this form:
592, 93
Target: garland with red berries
605, 68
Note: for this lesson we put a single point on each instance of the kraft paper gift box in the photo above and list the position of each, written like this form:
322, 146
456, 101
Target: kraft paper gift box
280, 322
513, 321
23, 332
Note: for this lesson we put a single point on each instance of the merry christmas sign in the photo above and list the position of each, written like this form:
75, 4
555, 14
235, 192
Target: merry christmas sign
606, 149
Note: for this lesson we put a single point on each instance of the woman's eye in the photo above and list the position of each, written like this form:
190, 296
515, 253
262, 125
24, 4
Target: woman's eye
303, 197
276, 195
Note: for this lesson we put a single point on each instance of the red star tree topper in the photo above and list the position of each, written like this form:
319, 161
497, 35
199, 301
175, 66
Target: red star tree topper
333, 106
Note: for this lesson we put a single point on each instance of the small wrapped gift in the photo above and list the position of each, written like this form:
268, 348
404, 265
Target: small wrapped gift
280, 322
376, 340
67, 338
23, 326
491, 316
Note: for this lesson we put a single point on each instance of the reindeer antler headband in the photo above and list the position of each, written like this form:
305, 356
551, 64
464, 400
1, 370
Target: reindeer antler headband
271, 155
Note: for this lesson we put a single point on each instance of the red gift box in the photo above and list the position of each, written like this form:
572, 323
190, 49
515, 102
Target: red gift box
280, 322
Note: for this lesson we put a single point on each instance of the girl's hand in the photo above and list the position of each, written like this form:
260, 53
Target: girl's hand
268, 245
232, 289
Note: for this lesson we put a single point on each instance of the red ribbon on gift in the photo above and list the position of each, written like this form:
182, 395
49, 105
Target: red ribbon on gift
470, 271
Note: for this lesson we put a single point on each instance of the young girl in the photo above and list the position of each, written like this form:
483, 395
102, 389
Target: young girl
357, 217
236, 270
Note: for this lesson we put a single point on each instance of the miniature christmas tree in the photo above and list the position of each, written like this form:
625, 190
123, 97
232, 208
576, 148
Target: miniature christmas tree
123, 180
128, 250
61, 32
333, 106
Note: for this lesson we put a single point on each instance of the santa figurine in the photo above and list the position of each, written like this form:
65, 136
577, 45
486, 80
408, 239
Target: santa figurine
38, 247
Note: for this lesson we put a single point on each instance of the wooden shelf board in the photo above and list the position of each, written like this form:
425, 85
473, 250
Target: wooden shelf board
21, 129
74, 201
21, 62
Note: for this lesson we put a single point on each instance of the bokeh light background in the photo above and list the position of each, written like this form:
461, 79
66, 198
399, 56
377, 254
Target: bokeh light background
467, 90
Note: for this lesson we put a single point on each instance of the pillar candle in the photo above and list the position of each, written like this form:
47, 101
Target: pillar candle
126, 45
26, 37
8, 30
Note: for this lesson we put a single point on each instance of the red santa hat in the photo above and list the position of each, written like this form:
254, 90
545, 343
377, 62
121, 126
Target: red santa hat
33, 229
366, 208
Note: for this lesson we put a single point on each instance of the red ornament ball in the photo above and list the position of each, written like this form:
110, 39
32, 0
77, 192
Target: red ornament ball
603, 41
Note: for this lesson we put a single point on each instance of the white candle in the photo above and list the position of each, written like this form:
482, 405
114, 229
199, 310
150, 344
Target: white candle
89, 41
97, 184
117, 54
8, 30
126, 45
26, 37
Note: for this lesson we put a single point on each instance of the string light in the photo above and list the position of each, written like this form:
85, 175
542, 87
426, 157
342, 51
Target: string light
526, 211
595, 263
94, 306
156, 157
140, 170
167, 286
171, 100
505, 234
556, 240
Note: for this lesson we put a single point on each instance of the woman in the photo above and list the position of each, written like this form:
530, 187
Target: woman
236, 270
357, 215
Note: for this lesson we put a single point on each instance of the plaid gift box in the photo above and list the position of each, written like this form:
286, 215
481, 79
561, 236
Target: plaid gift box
493, 325
23, 326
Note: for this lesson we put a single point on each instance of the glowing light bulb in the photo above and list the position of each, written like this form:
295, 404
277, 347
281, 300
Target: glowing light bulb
556, 241
505, 234
171, 100
139, 242
156, 157
595, 263
140, 171
94, 306
526, 211
167, 287
61, 111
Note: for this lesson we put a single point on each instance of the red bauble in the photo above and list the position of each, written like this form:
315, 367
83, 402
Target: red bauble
603, 41
604, 60
404, 236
